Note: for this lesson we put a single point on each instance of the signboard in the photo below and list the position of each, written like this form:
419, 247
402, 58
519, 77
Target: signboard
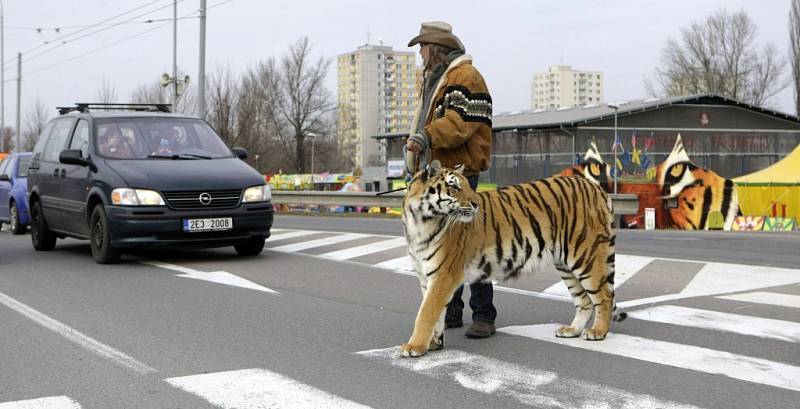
649, 218
394, 168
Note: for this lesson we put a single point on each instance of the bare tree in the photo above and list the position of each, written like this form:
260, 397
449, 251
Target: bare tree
35, 120
302, 100
8, 136
794, 49
107, 93
149, 93
720, 55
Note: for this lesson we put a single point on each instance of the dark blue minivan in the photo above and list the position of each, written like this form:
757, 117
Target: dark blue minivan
138, 177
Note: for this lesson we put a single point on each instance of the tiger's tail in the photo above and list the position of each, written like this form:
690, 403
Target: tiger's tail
611, 261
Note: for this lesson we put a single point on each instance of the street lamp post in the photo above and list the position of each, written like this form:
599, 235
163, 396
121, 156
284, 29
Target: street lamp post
313, 136
616, 171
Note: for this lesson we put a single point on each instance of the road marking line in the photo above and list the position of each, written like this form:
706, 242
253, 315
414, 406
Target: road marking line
258, 388
763, 297
723, 278
219, 277
683, 356
721, 321
400, 264
365, 249
53, 402
82, 340
534, 387
625, 267
305, 245
287, 234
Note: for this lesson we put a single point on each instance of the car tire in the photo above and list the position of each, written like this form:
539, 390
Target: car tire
251, 247
42, 237
100, 239
16, 226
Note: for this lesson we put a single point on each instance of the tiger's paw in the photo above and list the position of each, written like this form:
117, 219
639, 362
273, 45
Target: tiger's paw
437, 342
594, 335
411, 351
567, 332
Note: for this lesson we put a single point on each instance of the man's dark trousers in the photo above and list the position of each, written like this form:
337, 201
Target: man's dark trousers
480, 297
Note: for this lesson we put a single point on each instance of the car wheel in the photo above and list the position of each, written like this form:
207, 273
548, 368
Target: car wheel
100, 239
42, 238
251, 247
16, 226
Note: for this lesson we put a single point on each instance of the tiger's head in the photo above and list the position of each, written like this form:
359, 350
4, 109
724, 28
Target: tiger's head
592, 167
438, 192
677, 172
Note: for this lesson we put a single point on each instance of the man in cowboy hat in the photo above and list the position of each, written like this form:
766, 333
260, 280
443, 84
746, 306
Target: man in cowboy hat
454, 125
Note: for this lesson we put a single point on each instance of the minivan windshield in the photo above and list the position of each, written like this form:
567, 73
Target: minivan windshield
157, 138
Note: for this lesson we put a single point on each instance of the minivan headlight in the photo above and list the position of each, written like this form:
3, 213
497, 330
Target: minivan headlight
260, 193
136, 197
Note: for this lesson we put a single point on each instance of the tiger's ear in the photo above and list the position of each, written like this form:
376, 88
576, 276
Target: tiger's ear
434, 168
459, 169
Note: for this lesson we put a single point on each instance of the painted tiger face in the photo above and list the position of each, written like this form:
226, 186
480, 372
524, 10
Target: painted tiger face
442, 192
677, 172
592, 167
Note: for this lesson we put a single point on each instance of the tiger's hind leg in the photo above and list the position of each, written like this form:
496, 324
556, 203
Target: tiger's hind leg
583, 307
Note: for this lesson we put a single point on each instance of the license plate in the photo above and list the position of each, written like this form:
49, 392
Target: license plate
210, 224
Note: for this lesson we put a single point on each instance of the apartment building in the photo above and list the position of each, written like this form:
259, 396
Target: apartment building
561, 86
376, 95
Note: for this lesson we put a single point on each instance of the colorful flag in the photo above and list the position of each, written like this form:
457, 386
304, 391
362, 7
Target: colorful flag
577, 159
626, 159
635, 156
649, 141
633, 140
617, 142
645, 161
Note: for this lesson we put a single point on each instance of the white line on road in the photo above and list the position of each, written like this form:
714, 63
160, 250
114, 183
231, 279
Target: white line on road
219, 277
53, 402
258, 388
284, 234
625, 268
371, 248
305, 245
683, 356
721, 321
762, 297
534, 387
82, 340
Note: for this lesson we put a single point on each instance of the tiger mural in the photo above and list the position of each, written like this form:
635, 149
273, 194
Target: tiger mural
592, 167
697, 191
456, 235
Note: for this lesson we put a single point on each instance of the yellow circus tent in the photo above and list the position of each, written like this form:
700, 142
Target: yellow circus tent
776, 187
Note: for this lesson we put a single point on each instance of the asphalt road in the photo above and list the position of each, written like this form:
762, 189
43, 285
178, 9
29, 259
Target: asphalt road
311, 321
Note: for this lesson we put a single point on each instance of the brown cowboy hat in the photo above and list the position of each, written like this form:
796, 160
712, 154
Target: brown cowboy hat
437, 32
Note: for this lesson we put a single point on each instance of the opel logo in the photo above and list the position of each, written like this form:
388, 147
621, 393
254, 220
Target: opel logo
205, 199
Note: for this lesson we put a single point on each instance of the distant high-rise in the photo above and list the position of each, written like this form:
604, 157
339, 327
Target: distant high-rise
377, 95
561, 86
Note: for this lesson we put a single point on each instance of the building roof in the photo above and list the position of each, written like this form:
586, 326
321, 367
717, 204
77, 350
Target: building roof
571, 117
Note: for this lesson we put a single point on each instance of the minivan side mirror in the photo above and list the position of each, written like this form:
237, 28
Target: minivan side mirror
72, 157
240, 153
5, 178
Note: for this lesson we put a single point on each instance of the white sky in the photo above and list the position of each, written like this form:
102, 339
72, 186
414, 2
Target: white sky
510, 40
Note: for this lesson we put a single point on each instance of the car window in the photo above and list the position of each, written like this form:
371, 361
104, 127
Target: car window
158, 137
3, 164
22, 166
80, 139
58, 140
38, 150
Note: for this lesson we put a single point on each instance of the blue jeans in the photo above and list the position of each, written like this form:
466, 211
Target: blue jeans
480, 294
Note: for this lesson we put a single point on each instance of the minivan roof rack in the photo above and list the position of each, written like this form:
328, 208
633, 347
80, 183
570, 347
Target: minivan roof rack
87, 106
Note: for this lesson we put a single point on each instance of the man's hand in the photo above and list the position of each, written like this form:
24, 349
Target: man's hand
418, 143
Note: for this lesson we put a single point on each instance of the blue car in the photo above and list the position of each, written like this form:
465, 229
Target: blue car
14, 191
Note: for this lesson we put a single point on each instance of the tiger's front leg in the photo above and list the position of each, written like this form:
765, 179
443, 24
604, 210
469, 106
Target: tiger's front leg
429, 326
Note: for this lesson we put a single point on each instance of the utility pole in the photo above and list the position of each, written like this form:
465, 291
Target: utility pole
19, 97
2, 85
201, 66
174, 55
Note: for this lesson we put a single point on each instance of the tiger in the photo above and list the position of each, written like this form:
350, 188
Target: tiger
592, 167
456, 235
696, 191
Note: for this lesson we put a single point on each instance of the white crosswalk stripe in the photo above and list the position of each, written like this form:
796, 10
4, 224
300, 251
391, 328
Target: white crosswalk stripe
768, 298
625, 267
721, 321
287, 234
533, 387
310, 244
52, 402
691, 357
258, 388
366, 249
